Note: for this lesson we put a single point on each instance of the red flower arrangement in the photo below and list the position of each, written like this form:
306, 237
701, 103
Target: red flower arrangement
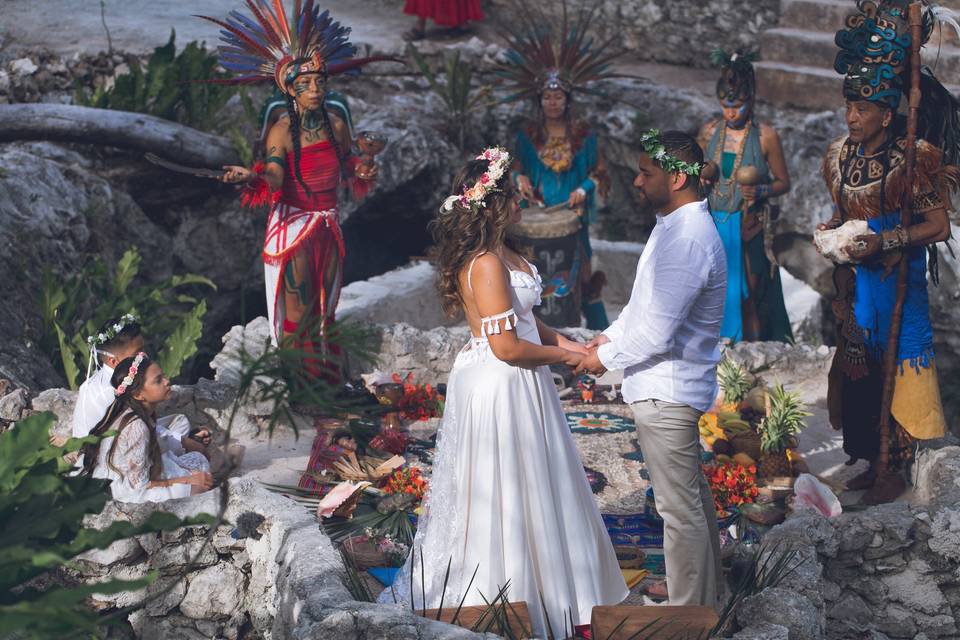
732, 484
408, 480
419, 401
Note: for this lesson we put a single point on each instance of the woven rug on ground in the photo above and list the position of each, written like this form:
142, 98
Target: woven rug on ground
586, 422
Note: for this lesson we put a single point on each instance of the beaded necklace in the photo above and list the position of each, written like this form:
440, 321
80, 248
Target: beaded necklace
724, 186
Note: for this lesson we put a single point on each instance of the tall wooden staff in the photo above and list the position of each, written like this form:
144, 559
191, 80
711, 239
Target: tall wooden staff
891, 361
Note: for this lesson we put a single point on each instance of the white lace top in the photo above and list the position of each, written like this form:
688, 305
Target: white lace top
132, 459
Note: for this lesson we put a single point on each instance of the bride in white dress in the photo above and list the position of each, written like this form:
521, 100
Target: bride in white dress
508, 497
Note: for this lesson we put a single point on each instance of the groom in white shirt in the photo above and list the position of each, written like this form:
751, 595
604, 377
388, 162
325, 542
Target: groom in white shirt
666, 341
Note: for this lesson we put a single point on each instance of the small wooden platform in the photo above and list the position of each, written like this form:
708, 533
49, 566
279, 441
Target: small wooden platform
676, 623
518, 617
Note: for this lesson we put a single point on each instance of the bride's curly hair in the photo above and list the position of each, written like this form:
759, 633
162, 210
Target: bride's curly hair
462, 233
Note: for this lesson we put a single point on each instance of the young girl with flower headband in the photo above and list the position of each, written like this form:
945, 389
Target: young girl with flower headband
133, 459
508, 486
115, 341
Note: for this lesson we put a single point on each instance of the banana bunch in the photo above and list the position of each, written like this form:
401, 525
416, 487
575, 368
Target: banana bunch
732, 423
710, 430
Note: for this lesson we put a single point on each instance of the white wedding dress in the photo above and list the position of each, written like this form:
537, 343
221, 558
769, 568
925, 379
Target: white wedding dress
508, 496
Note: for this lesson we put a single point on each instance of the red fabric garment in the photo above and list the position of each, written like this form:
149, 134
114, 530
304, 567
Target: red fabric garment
320, 169
307, 224
446, 13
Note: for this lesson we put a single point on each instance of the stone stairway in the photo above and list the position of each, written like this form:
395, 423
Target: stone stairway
797, 56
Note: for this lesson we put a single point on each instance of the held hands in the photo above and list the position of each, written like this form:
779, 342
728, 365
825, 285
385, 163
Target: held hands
568, 344
236, 175
591, 363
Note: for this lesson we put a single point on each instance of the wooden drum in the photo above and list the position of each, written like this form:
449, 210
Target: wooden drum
551, 240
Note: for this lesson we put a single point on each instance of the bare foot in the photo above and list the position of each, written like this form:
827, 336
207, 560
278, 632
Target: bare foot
656, 589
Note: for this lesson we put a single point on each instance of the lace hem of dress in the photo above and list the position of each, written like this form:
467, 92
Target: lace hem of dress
426, 567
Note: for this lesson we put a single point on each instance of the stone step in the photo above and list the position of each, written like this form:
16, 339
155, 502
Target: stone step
828, 16
800, 47
804, 87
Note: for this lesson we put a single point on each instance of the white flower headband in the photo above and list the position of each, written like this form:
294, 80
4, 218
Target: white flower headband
131, 375
475, 196
104, 337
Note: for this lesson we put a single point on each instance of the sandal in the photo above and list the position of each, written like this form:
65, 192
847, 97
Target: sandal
414, 34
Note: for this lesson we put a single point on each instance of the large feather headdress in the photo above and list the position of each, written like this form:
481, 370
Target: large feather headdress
543, 55
267, 45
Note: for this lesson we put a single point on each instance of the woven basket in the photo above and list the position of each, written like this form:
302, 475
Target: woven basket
747, 442
629, 556
364, 553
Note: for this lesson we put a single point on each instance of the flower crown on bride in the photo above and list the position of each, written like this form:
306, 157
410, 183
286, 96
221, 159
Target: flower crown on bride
475, 197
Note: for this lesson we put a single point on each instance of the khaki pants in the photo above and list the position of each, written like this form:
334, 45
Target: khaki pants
670, 442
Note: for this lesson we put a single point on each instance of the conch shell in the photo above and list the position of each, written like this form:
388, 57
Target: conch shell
832, 243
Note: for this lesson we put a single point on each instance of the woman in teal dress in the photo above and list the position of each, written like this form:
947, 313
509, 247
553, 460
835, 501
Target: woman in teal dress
754, 308
559, 162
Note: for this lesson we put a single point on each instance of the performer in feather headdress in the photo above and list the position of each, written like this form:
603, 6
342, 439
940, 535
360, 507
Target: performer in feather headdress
866, 174
737, 145
308, 156
558, 157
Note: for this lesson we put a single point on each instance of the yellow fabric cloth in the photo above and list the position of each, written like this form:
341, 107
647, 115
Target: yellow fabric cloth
633, 576
916, 402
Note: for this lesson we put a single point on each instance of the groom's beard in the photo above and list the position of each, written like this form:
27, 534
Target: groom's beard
647, 201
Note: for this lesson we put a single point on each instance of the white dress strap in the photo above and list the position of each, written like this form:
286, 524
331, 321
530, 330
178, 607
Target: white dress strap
470, 270
490, 325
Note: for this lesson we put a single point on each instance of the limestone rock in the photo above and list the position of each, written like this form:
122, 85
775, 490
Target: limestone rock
13, 404
407, 294
251, 339
121, 551
938, 476
851, 608
945, 538
763, 631
783, 607
428, 354
23, 67
158, 607
214, 592
916, 591
61, 403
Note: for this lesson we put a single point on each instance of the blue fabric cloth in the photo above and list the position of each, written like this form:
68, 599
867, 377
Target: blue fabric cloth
556, 187
728, 226
877, 294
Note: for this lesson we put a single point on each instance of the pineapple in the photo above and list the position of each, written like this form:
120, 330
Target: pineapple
733, 383
785, 419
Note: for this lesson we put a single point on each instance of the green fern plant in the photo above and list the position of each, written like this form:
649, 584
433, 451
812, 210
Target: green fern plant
42, 507
452, 81
75, 307
168, 88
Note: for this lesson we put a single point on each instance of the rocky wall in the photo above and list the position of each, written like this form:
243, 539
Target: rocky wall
281, 579
891, 571
678, 31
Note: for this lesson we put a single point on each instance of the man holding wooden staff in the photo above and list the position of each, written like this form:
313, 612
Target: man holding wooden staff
896, 178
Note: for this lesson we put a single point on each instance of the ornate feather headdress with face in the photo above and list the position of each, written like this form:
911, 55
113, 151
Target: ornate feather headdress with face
543, 55
268, 46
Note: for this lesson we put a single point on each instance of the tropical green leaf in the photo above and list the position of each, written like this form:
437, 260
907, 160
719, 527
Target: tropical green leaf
127, 269
182, 343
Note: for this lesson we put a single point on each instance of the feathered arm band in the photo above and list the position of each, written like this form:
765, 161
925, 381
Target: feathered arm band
257, 193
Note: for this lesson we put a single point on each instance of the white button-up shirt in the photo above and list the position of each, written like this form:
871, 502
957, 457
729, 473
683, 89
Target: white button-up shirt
667, 337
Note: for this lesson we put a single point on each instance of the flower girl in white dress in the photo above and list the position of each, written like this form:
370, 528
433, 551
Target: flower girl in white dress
132, 458
508, 498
